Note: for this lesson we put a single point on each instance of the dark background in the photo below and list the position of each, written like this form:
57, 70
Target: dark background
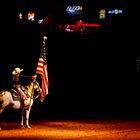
91, 75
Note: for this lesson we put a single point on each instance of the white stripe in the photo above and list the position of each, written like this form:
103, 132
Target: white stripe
40, 69
40, 64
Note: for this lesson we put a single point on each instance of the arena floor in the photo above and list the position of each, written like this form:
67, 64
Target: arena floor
72, 129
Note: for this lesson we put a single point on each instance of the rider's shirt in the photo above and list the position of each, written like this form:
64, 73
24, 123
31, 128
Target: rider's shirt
17, 86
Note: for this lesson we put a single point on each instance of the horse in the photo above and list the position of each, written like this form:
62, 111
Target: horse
10, 99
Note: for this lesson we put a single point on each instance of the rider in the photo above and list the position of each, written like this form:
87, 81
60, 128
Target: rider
17, 83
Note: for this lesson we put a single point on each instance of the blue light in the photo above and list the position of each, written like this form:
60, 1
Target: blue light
111, 12
120, 11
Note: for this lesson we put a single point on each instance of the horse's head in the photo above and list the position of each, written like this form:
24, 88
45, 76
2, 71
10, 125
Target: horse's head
34, 87
37, 87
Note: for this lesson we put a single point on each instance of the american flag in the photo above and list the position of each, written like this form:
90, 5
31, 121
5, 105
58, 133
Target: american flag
42, 70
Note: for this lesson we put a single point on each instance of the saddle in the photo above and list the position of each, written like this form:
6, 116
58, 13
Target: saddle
15, 94
16, 97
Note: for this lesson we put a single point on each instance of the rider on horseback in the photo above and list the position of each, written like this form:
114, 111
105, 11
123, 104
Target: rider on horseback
17, 85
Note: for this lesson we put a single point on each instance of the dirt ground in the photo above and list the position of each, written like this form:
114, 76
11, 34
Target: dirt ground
72, 129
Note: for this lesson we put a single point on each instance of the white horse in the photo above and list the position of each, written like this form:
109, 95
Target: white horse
11, 99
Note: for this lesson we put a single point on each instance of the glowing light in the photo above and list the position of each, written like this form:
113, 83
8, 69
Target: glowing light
74, 9
115, 11
102, 14
20, 15
31, 16
40, 21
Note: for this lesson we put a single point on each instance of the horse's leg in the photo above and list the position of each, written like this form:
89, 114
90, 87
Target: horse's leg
27, 117
22, 118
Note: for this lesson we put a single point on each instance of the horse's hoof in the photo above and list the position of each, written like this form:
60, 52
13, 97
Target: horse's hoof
28, 126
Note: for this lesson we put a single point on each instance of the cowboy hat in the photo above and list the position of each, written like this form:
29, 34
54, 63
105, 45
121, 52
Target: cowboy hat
17, 71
